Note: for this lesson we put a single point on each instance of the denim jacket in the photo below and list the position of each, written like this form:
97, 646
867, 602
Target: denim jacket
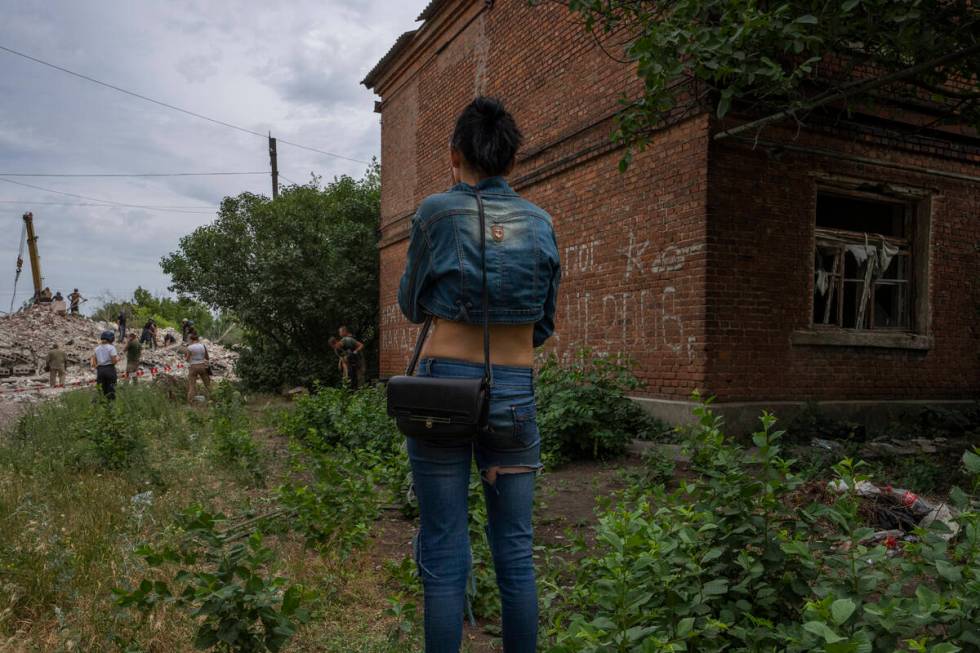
443, 276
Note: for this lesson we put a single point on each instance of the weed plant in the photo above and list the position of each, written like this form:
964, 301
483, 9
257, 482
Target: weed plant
584, 411
728, 563
332, 497
223, 583
231, 436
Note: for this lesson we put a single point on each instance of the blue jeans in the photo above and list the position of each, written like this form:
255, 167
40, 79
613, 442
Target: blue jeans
441, 475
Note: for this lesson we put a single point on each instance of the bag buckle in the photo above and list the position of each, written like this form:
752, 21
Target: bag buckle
430, 421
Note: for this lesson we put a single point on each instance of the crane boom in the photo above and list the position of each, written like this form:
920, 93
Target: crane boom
32, 254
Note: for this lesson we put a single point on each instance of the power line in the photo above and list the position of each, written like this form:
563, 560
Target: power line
171, 106
32, 203
126, 174
102, 204
178, 209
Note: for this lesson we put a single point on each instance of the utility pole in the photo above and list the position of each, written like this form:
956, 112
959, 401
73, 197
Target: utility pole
275, 166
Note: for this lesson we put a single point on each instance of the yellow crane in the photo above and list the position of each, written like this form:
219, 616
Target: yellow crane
30, 238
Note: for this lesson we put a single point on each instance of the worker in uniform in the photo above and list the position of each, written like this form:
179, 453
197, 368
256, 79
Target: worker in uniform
186, 328
351, 349
56, 363
75, 298
198, 367
148, 336
133, 351
121, 323
104, 361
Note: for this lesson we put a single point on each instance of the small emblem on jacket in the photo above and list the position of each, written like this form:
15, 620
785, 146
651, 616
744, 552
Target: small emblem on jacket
497, 231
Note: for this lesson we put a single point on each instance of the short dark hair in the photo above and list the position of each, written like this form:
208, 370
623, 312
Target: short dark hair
487, 136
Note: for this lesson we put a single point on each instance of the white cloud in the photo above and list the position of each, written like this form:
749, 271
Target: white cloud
290, 67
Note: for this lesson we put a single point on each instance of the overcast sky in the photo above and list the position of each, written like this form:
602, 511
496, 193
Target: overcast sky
293, 67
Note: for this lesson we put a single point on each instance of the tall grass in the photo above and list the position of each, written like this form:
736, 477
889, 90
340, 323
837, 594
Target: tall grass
82, 482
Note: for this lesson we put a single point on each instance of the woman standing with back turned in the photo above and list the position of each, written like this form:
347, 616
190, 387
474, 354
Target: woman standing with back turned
443, 279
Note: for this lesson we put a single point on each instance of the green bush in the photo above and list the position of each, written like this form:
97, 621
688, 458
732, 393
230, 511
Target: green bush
221, 582
584, 410
726, 563
333, 498
341, 421
340, 417
231, 435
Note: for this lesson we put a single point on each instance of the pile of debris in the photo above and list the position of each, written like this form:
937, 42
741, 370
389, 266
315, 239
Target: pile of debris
27, 336
898, 512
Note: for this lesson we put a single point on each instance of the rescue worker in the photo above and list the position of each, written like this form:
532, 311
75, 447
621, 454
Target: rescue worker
104, 361
133, 351
148, 336
351, 348
56, 363
45, 297
186, 326
199, 367
121, 323
59, 305
75, 298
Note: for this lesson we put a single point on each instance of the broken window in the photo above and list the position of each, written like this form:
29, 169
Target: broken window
863, 263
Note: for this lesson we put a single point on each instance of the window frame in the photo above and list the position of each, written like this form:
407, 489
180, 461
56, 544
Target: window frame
918, 214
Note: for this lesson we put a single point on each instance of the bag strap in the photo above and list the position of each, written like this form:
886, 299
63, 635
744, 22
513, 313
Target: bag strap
424, 331
487, 368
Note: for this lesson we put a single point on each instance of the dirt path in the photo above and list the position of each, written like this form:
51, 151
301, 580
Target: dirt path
566, 502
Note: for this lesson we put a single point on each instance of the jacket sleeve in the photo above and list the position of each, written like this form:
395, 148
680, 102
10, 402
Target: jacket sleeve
544, 327
416, 273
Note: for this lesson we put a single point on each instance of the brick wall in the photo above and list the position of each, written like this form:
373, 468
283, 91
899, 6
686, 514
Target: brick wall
762, 205
698, 261
632, 244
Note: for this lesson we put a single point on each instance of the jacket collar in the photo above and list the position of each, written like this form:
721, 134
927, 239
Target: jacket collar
495, 185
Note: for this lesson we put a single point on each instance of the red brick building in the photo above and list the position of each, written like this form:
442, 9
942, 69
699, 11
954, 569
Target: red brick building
722, 265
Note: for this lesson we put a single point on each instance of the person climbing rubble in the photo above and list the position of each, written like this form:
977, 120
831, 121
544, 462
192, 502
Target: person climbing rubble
59, 306
121, 323
104, 361
148, 337
199, 367
133, 350
56, 364
186, 327
75, 299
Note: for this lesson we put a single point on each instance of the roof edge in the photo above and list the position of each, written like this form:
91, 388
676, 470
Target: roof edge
396, 49
431, 11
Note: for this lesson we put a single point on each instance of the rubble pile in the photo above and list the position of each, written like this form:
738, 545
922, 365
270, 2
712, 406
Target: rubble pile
27, 336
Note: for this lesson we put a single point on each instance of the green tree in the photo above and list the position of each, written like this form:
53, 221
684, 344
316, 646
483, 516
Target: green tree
788, 59
291, 270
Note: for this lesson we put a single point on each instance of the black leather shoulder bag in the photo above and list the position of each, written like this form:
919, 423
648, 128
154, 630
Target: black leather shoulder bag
448, 410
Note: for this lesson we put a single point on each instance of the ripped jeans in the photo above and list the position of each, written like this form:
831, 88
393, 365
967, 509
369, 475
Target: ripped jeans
441, 475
